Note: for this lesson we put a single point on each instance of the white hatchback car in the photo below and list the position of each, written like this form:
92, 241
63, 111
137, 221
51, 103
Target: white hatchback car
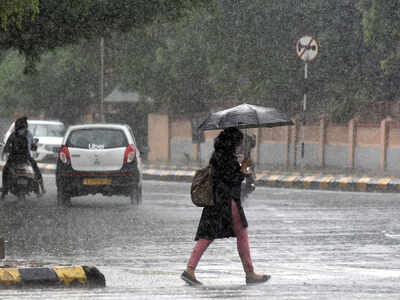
50, 135
99, 158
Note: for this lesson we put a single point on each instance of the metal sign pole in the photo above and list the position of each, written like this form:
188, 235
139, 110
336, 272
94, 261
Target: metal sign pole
304, 107
307, 49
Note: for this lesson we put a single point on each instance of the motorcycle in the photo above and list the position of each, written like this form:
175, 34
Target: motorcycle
22, 179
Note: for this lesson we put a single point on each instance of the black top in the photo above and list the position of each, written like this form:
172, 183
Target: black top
236, 191
216, 221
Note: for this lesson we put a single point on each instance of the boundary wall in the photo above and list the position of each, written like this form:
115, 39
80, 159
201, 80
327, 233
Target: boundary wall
354, 146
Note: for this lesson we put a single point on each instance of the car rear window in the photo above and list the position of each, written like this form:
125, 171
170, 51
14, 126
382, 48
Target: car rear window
53, 130
96, 138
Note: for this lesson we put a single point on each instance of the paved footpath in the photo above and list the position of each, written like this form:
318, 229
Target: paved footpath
324, 181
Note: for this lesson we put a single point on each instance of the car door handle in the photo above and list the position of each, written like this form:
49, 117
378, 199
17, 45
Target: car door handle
75, 155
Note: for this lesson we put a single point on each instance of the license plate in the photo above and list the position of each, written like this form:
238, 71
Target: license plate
22, 181
96, 181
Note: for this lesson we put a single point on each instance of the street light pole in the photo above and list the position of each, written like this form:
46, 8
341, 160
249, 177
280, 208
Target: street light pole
2, 249
102, 79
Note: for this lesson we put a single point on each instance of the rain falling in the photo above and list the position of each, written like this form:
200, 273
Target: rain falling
199, 149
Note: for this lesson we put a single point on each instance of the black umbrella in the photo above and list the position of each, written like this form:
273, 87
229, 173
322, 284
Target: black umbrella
245, 116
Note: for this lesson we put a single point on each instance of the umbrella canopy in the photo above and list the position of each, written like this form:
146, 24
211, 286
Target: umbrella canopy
245, 116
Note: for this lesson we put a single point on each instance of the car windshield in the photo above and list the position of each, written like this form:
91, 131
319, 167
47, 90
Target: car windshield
52, 130
97, 139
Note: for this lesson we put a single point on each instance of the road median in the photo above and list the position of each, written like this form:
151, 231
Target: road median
309, 180
320, 181
65, 276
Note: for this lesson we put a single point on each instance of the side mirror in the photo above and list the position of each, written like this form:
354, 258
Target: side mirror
36, 140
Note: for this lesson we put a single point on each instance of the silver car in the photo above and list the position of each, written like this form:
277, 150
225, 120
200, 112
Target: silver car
99, 158
50, 135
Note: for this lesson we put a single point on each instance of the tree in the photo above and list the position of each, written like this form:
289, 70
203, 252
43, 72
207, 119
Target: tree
62, 23
13, 11
63, 88
381, 24
244, 51
170, 64
227, 50
13, 94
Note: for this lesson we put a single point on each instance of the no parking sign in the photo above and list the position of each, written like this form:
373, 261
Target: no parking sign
307, 48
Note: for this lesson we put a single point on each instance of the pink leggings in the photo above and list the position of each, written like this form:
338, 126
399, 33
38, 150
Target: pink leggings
242, 243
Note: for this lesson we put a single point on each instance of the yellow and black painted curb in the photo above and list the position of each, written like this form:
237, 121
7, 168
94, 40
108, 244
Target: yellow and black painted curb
45, 168
274, 179
294, 180
64, 276
330, 182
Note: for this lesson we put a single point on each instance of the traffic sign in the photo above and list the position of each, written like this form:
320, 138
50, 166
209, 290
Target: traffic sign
307, 48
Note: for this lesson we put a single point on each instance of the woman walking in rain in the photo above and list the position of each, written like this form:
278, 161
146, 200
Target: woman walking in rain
226, 218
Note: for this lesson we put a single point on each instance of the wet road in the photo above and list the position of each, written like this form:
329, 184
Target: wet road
315, 244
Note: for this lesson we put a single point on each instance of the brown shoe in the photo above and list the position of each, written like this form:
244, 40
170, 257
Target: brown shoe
255, 280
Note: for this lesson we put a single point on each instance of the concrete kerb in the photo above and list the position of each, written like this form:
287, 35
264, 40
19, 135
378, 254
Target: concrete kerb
290, 179
63, 276
45, 168
275, 179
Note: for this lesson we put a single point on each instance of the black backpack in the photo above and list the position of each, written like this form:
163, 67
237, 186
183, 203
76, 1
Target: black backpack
201, 190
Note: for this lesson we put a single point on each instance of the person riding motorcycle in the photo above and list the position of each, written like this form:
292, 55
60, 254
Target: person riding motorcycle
18, 147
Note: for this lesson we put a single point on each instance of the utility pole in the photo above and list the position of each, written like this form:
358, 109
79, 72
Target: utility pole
2, 249
102, 79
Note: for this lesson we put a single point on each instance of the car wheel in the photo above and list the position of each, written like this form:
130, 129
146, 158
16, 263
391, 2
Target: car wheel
62, 198
136, 195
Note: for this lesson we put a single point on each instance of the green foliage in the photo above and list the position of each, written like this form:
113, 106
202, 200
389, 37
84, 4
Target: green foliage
171, 70
244, 51
192, 55
62, 23
12, 92
67, 82
63, 86
381, 24
340, 109
13, 11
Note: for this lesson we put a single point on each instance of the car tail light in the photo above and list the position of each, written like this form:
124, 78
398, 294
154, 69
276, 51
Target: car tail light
24, 170
64, 155
130, 154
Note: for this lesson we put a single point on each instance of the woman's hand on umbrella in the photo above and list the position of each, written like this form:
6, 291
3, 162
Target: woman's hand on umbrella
245, 168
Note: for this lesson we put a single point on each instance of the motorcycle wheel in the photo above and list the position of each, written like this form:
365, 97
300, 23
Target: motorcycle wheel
21, 196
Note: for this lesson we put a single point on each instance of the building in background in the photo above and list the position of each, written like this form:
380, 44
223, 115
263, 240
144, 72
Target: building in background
129, 108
